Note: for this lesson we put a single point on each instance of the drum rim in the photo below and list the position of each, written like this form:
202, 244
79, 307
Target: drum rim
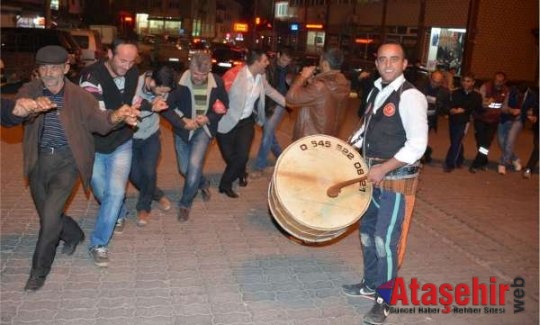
299, 233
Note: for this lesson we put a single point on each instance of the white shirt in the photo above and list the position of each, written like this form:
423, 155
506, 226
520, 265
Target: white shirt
254, 89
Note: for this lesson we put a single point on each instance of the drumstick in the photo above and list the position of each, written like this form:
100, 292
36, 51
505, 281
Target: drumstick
333, 191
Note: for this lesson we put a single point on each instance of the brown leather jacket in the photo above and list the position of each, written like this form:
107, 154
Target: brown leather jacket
80, 117
322, 104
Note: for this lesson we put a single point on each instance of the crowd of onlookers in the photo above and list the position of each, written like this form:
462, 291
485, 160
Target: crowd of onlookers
495, 109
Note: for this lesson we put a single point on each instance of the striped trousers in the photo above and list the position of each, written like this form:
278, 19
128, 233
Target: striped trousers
380, 231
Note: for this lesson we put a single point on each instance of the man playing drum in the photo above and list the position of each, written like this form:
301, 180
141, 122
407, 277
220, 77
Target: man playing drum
393, 138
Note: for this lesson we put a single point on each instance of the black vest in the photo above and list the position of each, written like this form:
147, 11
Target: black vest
385, 134
114, 99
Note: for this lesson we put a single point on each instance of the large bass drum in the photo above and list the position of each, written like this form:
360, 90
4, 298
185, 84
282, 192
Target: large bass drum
297, 194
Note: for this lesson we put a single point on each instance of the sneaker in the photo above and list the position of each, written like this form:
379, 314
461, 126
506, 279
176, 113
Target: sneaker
359, 290
164, 204
142, 218
120, 225
527, 173
256, 174
100, 255
378, 313
517, 165
183, 214
501, 170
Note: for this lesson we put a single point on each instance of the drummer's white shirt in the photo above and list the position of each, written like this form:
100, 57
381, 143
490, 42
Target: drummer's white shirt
413, 113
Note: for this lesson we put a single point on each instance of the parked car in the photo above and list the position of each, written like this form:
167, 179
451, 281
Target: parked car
19, 47
226, 57
166, 50
108, 33
90, 43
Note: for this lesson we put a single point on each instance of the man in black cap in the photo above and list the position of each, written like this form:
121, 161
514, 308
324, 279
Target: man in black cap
59, 118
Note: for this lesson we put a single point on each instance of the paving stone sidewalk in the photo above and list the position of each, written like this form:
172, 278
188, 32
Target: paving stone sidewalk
229, 264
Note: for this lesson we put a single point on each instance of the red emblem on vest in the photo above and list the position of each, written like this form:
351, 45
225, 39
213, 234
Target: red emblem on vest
389, 110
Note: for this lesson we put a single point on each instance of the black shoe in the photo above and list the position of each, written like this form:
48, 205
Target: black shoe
448, 169
205, 194
473, 170
183, 214
69, 248
378, 313
242, 180
359, 290
229, 192
34, 283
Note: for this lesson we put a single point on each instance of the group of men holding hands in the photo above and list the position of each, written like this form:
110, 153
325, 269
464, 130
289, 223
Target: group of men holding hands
99, 128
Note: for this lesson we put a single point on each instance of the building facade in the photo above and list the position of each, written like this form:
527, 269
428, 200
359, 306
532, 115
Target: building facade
491, 35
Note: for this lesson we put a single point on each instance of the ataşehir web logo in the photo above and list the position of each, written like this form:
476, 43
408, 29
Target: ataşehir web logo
475, 297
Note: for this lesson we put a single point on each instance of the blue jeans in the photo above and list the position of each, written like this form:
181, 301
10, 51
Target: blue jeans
109, 179
380, 231
144, 170
454, 157
507, 134
190, 158
269, 141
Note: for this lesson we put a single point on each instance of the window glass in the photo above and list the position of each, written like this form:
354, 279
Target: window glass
82, 40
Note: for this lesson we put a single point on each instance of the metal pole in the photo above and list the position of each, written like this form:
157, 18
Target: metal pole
421, 33
382, 32
470, 36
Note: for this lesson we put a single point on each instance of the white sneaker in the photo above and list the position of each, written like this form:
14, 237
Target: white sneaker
527, 173
517, 165
100, 255
119, 227
502, 169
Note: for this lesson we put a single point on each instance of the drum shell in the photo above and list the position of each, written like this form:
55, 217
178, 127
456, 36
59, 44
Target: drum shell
297, 192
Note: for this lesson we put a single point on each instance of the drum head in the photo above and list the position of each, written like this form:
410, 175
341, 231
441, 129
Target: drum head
303, 173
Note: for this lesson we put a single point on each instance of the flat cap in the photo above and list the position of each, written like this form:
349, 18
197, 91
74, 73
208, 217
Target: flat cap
51, 54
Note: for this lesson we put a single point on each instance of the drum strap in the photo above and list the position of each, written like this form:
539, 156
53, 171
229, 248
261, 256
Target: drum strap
362, 125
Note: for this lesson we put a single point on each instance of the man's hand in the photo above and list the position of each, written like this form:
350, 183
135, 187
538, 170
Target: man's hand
26, 106
190, 124
376, 174
201, 120
126, 113
307, 72
159, 104
456, 110
514, 111
364, 75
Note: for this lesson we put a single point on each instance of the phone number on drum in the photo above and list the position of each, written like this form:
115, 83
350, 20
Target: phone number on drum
327, 144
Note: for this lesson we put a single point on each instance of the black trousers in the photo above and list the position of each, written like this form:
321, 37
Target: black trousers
51, 183
234, 147
484, 134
